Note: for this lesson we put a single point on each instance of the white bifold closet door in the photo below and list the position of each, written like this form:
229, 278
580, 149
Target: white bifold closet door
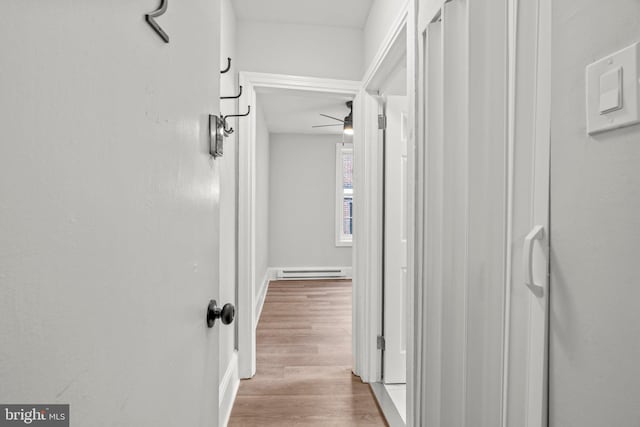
463, 62
455, 169
434, 197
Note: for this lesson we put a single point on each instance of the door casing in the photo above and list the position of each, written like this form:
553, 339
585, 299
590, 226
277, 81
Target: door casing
251, 81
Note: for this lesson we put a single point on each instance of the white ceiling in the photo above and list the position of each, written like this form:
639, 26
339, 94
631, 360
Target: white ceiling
289, 111
334, 13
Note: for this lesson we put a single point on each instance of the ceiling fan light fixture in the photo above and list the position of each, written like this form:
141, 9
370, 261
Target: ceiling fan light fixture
348, 127
348, 121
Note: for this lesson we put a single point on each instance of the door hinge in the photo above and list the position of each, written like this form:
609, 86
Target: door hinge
381, 342
382, 122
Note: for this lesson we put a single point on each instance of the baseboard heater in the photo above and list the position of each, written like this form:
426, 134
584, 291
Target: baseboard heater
308, 273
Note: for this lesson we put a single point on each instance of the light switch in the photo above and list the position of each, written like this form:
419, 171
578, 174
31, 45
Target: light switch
612, 90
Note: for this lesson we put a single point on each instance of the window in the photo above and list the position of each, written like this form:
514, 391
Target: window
344, 194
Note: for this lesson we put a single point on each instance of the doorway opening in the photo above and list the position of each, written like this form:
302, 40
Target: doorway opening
385, 326
395, 277
296, 227
288, 100
393, 108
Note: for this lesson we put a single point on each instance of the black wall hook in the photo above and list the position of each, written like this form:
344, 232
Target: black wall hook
151, 20
224, 119
233, 97
226, 70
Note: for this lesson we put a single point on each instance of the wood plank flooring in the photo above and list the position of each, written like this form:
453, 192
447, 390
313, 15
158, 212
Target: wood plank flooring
303, 373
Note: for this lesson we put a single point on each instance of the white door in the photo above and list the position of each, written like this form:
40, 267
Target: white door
109, 211
395, 237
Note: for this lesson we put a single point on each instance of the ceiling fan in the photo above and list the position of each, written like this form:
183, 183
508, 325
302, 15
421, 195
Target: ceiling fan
347, 123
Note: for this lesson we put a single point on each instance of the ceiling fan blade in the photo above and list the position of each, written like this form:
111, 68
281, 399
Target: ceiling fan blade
324, 126
334, 118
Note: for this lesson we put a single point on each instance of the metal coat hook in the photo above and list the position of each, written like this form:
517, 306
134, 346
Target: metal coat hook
216, 135
226, 70
150, 17
219, 130
224, 119
233, 97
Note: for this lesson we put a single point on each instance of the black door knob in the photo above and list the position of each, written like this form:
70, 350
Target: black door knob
225, 314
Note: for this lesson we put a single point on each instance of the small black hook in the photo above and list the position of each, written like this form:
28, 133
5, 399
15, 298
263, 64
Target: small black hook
224, 119
151, 20
233, 97
226, 70
239, 115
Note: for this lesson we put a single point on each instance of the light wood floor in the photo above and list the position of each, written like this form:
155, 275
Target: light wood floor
303, 373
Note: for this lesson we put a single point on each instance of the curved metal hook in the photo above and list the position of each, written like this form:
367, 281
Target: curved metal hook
224, 119
150, 17
233, 97
239, 115
226, 70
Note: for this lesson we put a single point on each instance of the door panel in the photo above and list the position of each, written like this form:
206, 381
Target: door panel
109, 211
464, 152
395, 276
433, 194
455, 210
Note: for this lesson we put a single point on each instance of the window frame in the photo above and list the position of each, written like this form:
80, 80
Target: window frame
340, 237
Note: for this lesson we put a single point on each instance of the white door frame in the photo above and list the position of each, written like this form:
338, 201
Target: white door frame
368, 238
250, 81
368, 243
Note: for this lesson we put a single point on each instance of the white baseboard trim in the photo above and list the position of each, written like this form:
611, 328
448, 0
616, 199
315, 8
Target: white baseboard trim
228, 390
269, 275
313, 273
389, 410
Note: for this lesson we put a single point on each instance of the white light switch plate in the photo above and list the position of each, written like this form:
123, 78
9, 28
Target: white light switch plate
607, 109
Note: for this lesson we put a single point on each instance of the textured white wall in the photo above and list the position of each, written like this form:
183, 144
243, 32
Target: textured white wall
228, 182
262, 198
306, 50
302, 202
109, 211
595, 226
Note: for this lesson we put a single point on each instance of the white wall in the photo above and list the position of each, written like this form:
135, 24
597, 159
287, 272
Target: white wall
381, 17
109, 211
307, 50
595, 229
262, 190
228, 191
302, 202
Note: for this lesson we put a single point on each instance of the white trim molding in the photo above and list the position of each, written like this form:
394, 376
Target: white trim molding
367, 239
251, 81
269, 275
389, 409
303, 83
246, 233
228, 390
387, 53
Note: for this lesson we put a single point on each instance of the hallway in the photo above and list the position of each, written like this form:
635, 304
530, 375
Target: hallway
459, 178
304, 361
